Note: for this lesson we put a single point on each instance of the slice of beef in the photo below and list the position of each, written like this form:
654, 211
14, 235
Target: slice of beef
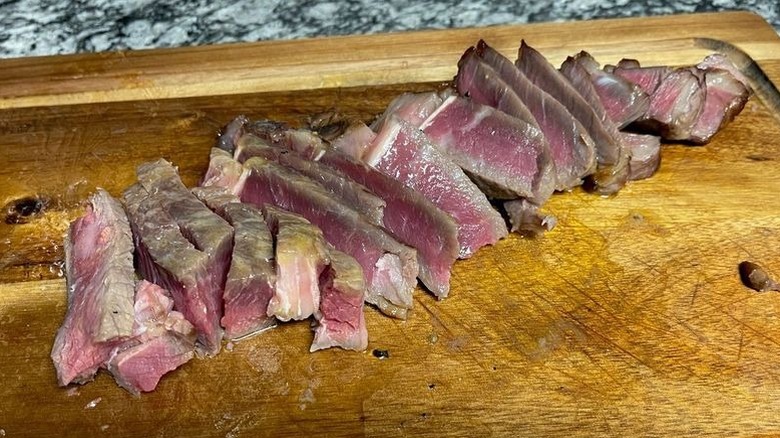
355, 139
642, 152
717, 61
506, 156
645, 152
480, 82
100, 276
647, 78
571, 148
215, 198
404, 153
410, 218
303, 141
415, 108
676, 104
390, 268
300, 257
351, 193
526, 218
724, 98
612, 160
182, 245
340, 319
162, 341
252, 277
623, 101
224, 172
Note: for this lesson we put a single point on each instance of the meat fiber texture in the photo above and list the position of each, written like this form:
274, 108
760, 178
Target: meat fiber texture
340, 319
224, 172
500, 152
162, 341
623, 101
300, 257
571, 148
100, 276
350, 192
390, 268
411, 218
612, 159
643, 151
251, 279
691, 103
526, 218
182, 246
404, 153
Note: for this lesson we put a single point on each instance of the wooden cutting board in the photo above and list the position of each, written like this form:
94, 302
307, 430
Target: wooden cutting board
627, 319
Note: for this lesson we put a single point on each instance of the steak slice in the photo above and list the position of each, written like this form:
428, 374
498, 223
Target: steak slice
182, 246
646, 78
162, 341
415, 108
623, 101
410, 218
351, 193
390, 268
340, 319
571, 147
100, 276
645, 152
612, 159
724, 98
404, 153
300, 257
504, 155
676, 104
251, 279
355, 139
224, 172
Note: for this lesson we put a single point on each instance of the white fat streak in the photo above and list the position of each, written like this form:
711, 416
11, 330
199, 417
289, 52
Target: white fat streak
427, 122
382, 144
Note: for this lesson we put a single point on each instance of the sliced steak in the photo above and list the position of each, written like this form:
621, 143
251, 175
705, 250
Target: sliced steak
224, 172
351, 193
717, 61
355, 139
182, 245
252, 277
410, 218
100, 276
724, 98
301, 255
623, 101
526, 218
415, 108
340, 319
647, 78
162, 341
504, 155
676, 104
404, 153
571, 147
645, 152
390, 268
612, 159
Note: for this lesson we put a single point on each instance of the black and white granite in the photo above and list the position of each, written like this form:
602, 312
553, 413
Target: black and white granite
44, 27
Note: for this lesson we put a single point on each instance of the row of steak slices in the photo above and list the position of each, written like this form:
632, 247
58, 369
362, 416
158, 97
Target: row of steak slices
289, 224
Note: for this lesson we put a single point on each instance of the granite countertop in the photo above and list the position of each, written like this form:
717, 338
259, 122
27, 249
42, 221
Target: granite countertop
46, 27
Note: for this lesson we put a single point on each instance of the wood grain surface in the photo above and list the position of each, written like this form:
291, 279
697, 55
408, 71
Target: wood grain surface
628, 319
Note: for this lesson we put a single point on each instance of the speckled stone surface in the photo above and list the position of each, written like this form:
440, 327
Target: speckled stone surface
45, 27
